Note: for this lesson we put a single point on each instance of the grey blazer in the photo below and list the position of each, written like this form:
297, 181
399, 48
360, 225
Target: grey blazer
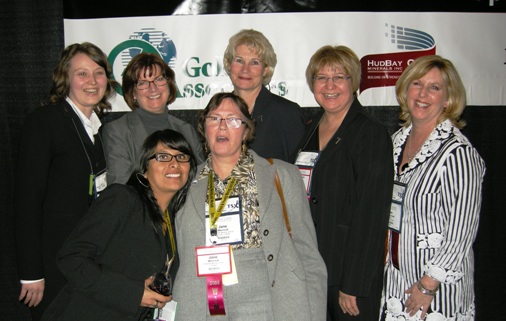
296, 270
123, 140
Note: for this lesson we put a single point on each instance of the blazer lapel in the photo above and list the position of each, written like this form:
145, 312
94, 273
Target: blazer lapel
137, 130
340, 134
197, 196
264, 172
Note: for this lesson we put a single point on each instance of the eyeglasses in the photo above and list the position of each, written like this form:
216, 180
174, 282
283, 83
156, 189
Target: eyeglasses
144, 84
230, 121
166, 157
336, 80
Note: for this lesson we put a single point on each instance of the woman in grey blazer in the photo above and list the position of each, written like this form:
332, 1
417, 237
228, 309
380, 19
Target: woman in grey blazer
274, 276
149, 86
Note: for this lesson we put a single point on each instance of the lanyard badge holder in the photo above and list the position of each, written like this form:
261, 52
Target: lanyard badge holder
97, 183
395, 221
215, 261
306, 161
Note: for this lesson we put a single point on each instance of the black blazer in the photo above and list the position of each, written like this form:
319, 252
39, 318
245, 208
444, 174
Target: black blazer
56, 158
350, 199
107, 258
279, 125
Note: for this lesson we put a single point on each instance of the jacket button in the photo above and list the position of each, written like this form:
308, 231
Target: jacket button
270, 257
266, 232
314, 200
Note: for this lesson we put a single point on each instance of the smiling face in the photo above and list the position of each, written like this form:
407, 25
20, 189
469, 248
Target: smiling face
334, 96
166, 178
154, 98
88, 83
427, 98
247, 69
224, 141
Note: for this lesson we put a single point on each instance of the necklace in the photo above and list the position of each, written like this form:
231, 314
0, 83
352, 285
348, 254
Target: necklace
411, 154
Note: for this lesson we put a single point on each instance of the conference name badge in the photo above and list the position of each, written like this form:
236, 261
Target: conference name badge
395, 219
214, 262
306, 162
228, 229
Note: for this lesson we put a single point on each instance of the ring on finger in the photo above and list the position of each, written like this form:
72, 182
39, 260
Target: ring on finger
155, 305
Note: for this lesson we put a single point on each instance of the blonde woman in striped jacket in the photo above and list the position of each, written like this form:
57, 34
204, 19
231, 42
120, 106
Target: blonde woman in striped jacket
437, 200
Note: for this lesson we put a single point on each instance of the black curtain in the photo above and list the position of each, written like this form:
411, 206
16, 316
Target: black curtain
32, 41
31, 33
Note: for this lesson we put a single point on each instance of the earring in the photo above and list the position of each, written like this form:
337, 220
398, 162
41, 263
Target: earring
244, 148
142, 180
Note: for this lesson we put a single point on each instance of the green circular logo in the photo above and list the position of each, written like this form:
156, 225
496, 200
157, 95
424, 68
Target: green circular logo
134, 47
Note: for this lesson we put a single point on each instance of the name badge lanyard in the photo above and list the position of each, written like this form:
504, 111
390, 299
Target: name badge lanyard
91, 189
168, 226
306, 169
214, 214
215, 299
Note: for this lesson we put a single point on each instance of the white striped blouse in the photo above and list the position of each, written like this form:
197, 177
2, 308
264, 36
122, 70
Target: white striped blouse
440, 219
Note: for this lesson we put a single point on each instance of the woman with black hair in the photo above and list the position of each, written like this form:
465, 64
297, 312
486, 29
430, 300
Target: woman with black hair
126, 238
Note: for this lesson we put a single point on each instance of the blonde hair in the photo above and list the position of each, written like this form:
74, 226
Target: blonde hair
339, 57
254, 40
456, 93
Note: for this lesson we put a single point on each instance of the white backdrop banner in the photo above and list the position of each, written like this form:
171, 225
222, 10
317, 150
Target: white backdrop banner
385, 42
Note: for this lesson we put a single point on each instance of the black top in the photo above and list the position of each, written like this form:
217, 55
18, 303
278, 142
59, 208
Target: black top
351, 192
56, 158
279, 125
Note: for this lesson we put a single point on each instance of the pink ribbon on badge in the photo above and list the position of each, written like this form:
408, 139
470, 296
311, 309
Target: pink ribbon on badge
215, 295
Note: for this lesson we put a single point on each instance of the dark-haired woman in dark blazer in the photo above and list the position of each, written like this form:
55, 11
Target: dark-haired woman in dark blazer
126, 238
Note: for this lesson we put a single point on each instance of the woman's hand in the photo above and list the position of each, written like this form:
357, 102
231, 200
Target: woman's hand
151, 299
32, 293
348, 304
417, 300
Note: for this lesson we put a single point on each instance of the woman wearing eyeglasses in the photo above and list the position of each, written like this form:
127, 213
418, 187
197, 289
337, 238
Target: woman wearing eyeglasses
126, 238
149, 86
345, 158
238, 261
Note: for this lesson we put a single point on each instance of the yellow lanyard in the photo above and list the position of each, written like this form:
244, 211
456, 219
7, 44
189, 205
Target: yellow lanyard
214, 214
168, 225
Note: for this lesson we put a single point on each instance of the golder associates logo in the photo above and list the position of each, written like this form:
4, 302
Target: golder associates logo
380, 70
147, 40
197, 78
155, 41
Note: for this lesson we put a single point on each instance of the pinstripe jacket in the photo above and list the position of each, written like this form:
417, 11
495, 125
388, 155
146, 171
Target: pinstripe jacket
440, 219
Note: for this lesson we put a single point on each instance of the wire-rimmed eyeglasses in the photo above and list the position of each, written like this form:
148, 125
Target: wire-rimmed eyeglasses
158, 82
336, 80
166, 157
232, 122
